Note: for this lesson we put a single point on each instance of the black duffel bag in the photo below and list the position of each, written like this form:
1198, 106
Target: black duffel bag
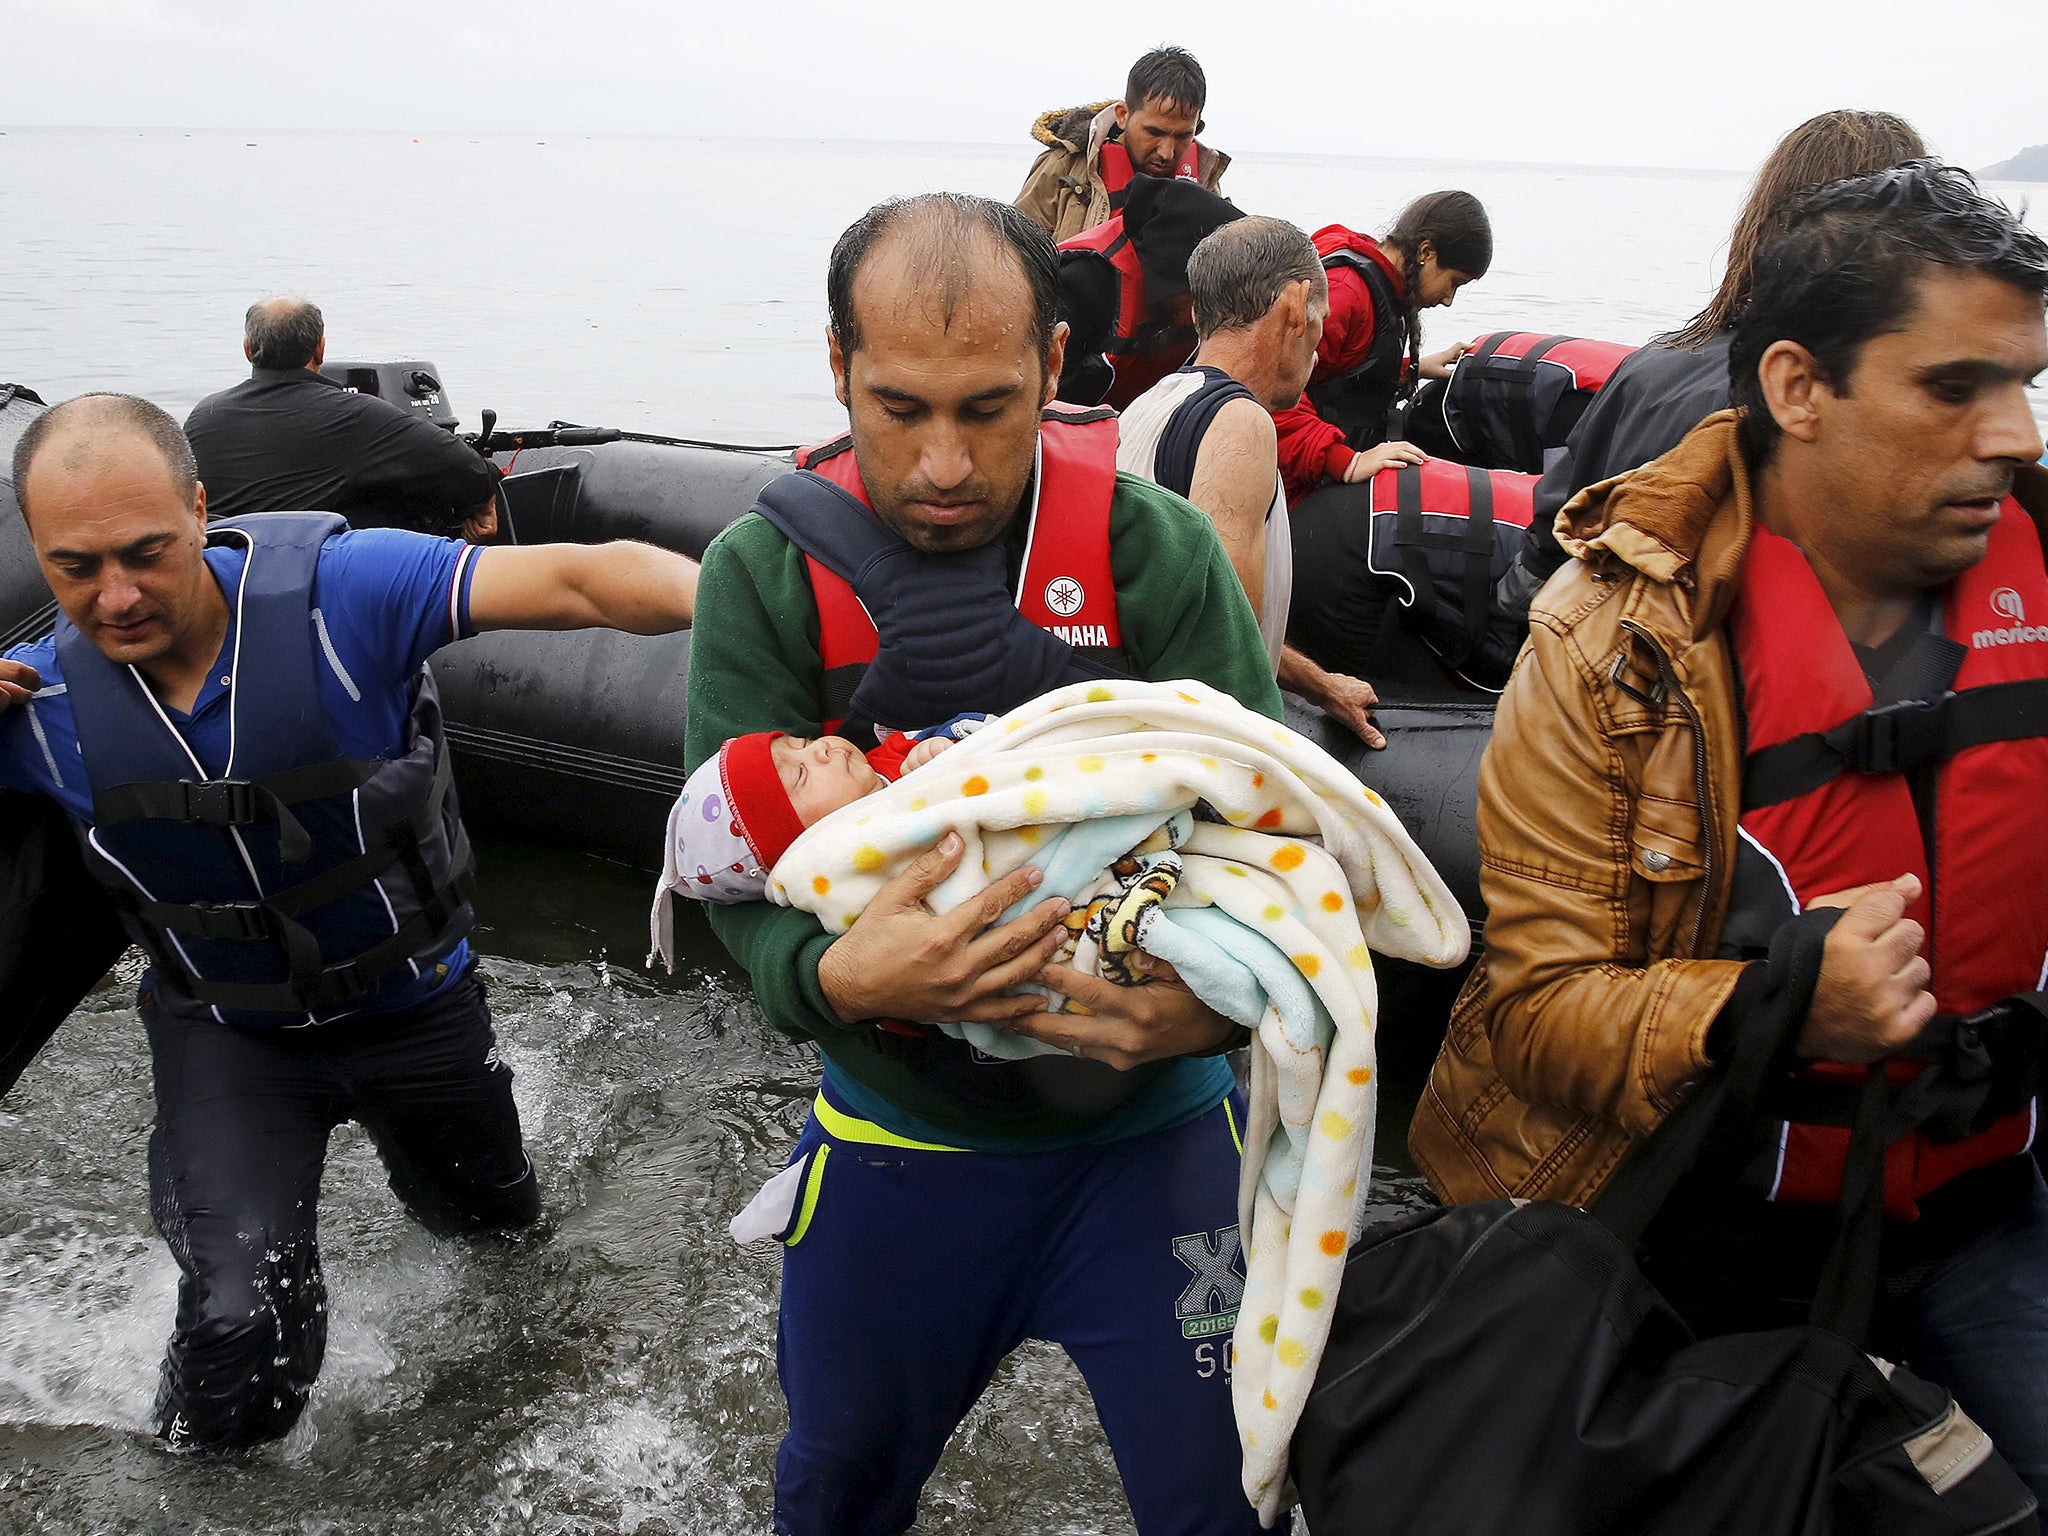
1503, 1367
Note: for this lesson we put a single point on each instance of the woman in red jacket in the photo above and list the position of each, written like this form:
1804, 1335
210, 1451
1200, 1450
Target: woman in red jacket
1370, 355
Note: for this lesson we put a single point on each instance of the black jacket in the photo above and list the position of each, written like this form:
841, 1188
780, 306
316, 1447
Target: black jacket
1656, 396
289, 440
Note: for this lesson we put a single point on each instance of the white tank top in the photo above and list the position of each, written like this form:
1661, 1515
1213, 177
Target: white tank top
1144, 423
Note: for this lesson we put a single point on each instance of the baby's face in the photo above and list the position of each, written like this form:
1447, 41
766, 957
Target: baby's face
821, 775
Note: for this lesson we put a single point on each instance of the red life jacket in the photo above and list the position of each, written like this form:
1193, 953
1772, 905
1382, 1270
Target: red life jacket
1113, 164
1590, 363
1066, 587
1983, 902
1515, 397
1139, 350
1447, 532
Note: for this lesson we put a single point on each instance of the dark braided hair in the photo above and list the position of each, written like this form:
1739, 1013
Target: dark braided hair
1454, 225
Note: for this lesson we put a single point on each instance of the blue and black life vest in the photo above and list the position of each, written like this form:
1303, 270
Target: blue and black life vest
298, 880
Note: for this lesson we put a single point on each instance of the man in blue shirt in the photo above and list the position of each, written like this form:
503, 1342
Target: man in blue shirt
240, 726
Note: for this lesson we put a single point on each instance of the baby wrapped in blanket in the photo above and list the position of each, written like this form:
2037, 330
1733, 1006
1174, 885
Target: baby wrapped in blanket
1182, 824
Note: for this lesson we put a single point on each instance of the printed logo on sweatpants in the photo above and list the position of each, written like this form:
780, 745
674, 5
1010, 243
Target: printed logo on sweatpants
1208, 1305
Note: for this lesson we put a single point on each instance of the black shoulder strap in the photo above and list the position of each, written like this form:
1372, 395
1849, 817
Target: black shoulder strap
1897, 738
1173, 461
811, 512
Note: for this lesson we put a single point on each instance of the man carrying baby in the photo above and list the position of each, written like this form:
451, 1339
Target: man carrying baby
965, 548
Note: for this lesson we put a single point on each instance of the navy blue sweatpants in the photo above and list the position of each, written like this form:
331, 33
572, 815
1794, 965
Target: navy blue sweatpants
910, 1271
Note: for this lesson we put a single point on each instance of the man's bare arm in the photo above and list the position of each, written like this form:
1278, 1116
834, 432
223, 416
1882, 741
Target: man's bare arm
1236, 472
622, 585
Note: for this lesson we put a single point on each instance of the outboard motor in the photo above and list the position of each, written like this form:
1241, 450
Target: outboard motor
413, 384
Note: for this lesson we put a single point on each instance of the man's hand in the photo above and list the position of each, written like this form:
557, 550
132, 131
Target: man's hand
1364, 466
1126, 1026
900, 960
17, 681
1350, 702
1347, 700
1437, 365
1872, 998
480, 522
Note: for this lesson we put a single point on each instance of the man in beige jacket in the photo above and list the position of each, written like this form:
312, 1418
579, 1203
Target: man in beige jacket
1092, 152
1738, 705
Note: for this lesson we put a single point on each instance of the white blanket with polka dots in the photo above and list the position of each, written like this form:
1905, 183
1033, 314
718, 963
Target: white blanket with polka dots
1313, 873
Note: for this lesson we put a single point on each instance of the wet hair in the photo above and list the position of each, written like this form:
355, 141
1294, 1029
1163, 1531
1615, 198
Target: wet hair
1822, 149
1240, 270
108, 415
1456, 228
1169, 76
282, 333
1846, 266
947, 228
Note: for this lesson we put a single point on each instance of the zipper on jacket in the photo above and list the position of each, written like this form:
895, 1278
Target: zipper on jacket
1667, 681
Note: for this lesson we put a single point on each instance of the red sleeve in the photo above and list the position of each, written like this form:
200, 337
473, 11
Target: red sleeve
887, 759
1311, 450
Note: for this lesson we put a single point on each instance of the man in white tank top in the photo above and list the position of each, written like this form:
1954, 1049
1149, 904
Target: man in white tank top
1206, 432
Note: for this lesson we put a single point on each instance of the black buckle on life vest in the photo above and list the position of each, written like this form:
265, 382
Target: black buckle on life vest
1894, 738
1982, 1067
212, 919
225, 802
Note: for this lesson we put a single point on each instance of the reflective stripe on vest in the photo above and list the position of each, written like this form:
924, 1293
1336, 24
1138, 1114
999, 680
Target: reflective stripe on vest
1983, 901
296, 880
1447, 532
1115, 167
1356, 401
1066, 586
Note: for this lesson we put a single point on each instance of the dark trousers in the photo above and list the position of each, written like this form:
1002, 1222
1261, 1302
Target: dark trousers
242, 1118
910, 1273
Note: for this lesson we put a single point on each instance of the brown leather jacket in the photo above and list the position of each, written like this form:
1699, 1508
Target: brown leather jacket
1608, 802
1064, 190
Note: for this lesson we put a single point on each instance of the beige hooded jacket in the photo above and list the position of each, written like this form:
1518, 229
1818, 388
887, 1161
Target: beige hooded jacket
1064, 191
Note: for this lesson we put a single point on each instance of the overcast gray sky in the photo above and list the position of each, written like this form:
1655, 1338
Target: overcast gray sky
1644, 83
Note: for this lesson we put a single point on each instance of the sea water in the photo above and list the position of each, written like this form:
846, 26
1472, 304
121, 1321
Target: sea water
616, 1372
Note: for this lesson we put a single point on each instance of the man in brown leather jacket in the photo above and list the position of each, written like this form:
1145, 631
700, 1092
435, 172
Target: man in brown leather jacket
1880, 376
